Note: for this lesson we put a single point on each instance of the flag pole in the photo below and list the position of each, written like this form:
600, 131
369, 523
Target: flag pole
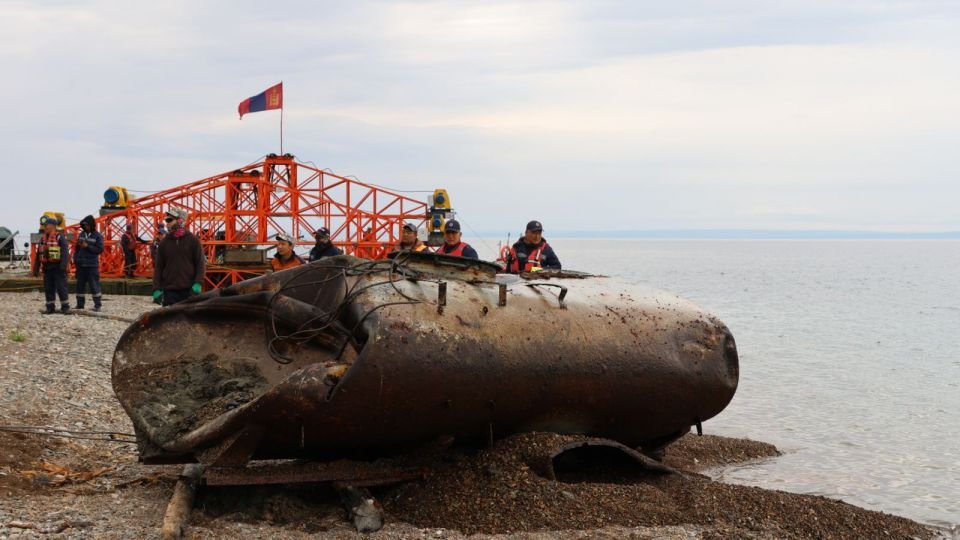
281, 130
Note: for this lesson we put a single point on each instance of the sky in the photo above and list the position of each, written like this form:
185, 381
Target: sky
588, 116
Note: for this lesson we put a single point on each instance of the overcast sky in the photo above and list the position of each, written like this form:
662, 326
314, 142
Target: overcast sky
586, 115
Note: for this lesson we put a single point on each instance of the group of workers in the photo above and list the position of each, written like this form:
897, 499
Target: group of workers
180, 263
531, 253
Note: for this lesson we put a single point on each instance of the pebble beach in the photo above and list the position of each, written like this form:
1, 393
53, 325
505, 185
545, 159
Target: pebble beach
85, 481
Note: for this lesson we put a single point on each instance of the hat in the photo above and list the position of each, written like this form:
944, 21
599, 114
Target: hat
284, 237
452, 226
409, 227
322, 231
178, 213
535, 226
49, 220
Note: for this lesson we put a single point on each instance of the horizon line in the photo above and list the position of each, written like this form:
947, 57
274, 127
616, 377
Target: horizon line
747, 234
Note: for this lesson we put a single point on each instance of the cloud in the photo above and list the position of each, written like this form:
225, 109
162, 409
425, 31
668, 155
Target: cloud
595, 115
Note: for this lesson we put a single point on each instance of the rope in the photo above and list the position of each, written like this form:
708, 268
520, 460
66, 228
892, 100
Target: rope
47, 431
478, 237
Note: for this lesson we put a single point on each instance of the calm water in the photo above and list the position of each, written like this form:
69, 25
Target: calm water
849, 358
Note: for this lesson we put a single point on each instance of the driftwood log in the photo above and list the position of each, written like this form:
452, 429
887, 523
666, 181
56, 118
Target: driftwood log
177, 516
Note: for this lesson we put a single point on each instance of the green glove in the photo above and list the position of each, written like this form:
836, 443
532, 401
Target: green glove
195, 288
157, 293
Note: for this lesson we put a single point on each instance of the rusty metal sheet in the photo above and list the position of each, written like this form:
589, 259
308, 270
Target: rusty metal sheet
346, 356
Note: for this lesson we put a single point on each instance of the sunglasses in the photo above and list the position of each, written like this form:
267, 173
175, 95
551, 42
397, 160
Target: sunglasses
168, 219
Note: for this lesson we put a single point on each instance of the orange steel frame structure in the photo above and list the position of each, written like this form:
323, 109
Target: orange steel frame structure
247, 207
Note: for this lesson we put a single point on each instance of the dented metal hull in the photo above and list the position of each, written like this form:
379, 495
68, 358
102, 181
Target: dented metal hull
352, 357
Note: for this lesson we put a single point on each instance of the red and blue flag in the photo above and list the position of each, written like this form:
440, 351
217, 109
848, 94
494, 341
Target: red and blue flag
269, 99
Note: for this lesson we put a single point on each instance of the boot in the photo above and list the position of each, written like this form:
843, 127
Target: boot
65, 308
97, 303
51, 308
81, 302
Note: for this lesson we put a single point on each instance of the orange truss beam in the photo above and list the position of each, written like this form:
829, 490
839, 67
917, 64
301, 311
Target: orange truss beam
247, 207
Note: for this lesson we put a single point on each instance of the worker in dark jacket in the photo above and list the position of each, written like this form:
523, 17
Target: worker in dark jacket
86, 260
52, 256
532, 253
128, 243
323, 247
452, 244
180, 264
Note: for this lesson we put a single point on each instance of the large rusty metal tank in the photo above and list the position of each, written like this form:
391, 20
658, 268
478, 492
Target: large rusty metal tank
350, 357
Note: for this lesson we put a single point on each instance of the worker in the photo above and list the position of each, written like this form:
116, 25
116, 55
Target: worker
285, 257
452, 244
532, 253
323, 247
180, 264
86, 260
128, 243
161, 232
52, 256
408, 239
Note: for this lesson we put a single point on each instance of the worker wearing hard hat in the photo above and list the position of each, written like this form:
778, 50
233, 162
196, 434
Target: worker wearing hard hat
323, 247
285, 257
408, 239
532, 253
86, 260
452, 244
180, 264
52, 256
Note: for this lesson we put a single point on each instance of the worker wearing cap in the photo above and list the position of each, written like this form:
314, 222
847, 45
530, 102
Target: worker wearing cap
86, 260
285, 257
324, 247
52, 256
532, 253
180, 264
408, 239
452, 244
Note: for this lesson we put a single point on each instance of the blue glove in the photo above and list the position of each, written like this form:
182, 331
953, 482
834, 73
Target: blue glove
157, 293
195, 288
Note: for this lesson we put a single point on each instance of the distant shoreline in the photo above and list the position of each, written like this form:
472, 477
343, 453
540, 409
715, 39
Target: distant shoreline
734, 234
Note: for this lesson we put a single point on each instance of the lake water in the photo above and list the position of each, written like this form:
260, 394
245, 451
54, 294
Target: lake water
849, 357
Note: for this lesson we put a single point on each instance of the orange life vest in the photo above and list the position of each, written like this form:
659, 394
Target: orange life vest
533, 260
457, 251
419, 246
50, 249
278, 265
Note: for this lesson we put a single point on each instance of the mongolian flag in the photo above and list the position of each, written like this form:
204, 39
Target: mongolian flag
269, 99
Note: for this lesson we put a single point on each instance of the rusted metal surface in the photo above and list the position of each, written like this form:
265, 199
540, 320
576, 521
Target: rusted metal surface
349, 357
340, 472
591, 446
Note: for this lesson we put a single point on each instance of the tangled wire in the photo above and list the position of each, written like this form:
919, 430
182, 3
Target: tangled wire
329, 322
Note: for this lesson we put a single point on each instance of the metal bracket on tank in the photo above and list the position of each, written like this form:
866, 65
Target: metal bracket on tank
441, 296
563, 291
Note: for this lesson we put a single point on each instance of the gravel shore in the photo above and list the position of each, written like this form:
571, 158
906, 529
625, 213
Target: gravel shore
55, 372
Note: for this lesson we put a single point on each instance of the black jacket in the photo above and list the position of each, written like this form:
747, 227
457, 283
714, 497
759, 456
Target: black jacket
88, 256
548, 259
327, 249
180, 263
